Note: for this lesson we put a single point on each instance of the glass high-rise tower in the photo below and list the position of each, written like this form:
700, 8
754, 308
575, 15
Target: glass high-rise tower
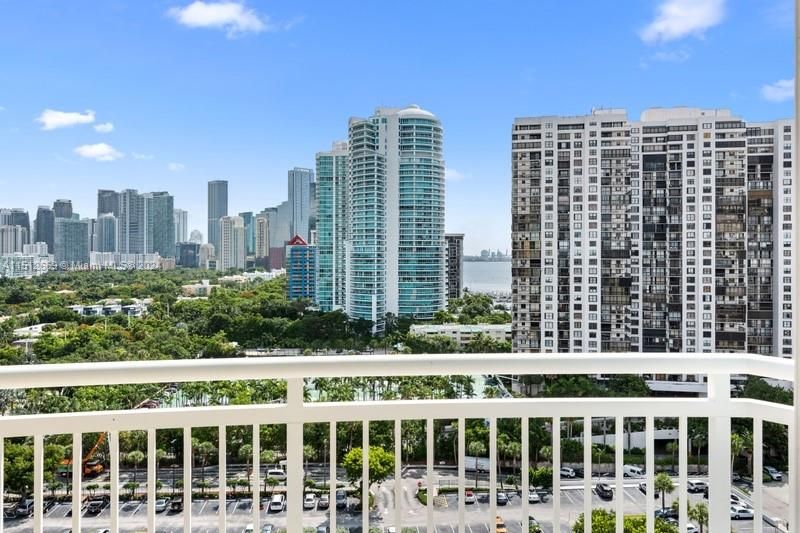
331, 208
395, 231
217, 208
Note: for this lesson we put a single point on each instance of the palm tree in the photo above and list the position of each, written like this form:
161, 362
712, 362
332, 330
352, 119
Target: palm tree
308, 453
739, 443
699, 513
205, 450
663, 484
135, 457
672, 448
476, 449
246, 453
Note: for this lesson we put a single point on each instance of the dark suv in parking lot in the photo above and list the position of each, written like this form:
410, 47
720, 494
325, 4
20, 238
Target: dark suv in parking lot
604, 491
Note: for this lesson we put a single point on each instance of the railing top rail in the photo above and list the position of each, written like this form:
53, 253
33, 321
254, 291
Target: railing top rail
204, 370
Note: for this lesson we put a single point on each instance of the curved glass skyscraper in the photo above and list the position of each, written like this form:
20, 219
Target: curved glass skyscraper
395, 236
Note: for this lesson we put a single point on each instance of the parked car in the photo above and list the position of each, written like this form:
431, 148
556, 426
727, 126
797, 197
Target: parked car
567, 472
277, 503
666, 513
696, 486
469, 497
310, 500
324, 501
500, 525
176, 505
9, 510
643, 489
691, 528
578, 472
632, 471
773, 473
740, 513
502, 498
341, 499
533, 496
276, 473
96, 506
604, 491
162, 504
264, 529
25, 508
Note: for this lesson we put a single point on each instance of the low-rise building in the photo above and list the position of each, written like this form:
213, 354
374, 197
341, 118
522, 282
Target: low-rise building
203, 288
20, 265
463, 334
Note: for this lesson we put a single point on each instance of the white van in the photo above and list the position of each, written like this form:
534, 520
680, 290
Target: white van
632, 471
278, 503
277, 473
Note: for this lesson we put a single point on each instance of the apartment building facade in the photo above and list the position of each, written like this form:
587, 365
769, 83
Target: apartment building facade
666, 234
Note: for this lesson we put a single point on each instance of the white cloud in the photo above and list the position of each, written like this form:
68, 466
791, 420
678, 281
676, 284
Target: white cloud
233, 17
780, 91
678, 18
106, 127
98, 152
176, 167
451, 174
144, 157
50, 119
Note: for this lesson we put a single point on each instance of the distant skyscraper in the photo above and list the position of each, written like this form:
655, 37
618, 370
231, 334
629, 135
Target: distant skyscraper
300, 200
181, 225
17, 217
188, 255
396, 248
45, 227
207, 253
231, 252
72, 242
62, 208
455, 264
301, 269
13, 239
249, 232
196, 236
130, 223
160, 224
331, 216
262, 240
107, 202
217, 208
106, 233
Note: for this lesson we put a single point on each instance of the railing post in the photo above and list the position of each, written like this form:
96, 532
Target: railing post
462, 446
398, 476
256, 475
587, 473
364, 475
294, 458
556, 453
492, 475
77, 470
650, 472
758, 476
38, 481
222, 474
619, 477
332, 485
719, 455
524, 467
683, 474
2, 480
113, 451
152, 478
187, 479
428, 472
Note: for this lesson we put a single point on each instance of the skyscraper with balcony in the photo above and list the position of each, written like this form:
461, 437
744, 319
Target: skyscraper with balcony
12, 239
455, 265
217, 208
107, 202
301, 263
62, 208
106, 233
396, 247
261, 234
300, 182
231, 253
658, 235
159, 219
181, 220
44, 227
249, 232
331, 208
72, 243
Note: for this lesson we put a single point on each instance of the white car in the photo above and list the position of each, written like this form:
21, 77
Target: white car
740, 513
696, 486
469, 497
310, 501
691, 528
567, 472
277, 473
773, 473
533, 496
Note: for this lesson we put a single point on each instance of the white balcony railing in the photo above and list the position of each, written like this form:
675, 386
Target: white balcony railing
718, 407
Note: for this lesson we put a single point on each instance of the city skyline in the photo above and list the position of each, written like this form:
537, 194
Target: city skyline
202, 112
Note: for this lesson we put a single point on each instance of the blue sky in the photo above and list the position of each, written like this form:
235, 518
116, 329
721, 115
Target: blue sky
244, 91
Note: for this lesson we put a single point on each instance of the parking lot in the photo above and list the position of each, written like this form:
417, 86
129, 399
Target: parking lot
239, 512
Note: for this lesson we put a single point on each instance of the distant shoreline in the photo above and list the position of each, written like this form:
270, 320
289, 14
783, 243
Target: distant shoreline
478, 259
